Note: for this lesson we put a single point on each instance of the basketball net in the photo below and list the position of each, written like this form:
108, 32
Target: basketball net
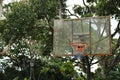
79, 48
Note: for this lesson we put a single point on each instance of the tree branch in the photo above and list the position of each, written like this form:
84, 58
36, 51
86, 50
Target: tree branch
92, 59
71, 13
86, 6
98, 61
116, 59
4, 51
117, 45
48, 21
117, 29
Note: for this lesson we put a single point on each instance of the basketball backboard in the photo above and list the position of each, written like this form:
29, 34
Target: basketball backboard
86, 36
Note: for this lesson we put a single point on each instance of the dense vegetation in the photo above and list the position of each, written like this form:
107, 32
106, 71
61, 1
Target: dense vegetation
26, 42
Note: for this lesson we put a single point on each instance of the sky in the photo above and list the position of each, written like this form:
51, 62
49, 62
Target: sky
70, 4
7, 1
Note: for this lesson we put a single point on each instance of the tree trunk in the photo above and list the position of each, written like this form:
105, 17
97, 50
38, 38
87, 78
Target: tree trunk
103, 70
88, 68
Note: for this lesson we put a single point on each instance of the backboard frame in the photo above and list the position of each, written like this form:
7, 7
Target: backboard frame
89, 34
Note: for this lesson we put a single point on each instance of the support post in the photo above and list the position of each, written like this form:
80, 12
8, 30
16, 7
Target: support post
88, 68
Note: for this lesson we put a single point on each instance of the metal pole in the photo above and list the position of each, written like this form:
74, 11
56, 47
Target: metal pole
31, 70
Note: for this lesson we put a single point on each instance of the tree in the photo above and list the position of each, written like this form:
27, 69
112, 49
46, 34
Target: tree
104, 8
27, 32
26, 35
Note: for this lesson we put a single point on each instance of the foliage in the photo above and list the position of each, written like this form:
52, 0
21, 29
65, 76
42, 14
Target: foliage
114, 74
67, 69
27, 27
104, 8
45, 8
19, 22
99, 8
44, 69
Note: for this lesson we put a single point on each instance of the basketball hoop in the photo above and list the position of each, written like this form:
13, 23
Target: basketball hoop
82, 38
85, 36
79, 47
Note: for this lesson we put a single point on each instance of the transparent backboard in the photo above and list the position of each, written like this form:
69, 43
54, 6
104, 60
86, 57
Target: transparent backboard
86, 36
